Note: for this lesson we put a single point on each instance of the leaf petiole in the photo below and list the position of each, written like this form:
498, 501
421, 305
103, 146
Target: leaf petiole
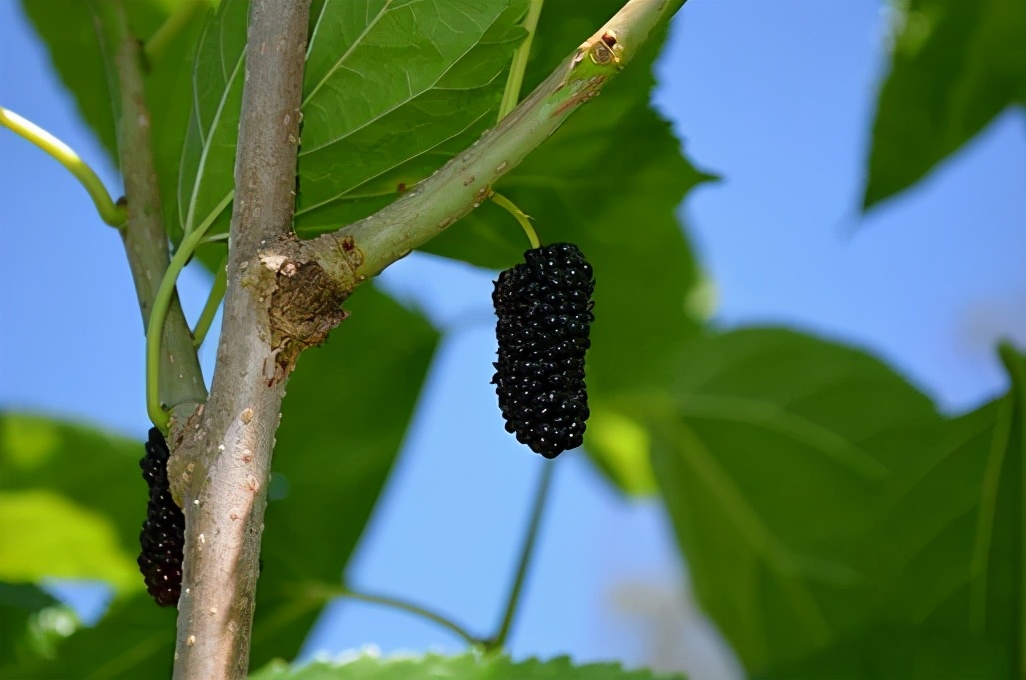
323, 591
217, 290
498, 641
172, 26
155, 328
524, 220
113, 214
511, 95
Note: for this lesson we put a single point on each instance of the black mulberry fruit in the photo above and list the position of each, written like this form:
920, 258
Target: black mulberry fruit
544, 310
163, 533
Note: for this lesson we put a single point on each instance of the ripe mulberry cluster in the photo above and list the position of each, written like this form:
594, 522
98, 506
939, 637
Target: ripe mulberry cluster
544, 316
163, 533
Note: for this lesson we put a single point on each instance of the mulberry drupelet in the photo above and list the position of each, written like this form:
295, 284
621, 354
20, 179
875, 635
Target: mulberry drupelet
544, 317
163, 533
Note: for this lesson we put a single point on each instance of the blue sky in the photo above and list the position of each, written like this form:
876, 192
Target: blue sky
777, 97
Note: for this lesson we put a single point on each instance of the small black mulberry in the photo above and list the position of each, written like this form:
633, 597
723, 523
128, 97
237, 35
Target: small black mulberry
544, 315
163, 533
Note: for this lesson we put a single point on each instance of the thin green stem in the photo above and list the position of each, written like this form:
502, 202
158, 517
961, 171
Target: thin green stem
215, 238
511, 95
154, 329
526, 553
417, 610
213, 302
322, 591
175, 23
111, 213
523, 219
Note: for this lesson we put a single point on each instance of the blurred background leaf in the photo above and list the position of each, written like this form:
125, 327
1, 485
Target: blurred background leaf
820, 501
955, 66
465, 667
74, 501
133, 641
774, 454
20, 604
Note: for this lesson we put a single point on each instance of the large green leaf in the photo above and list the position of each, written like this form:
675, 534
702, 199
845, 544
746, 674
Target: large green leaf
955, 66
954, 608
135, 640
889, 652
465, 667
343, 421
829, 515
392, 90
776, 454
74, 501
610, 180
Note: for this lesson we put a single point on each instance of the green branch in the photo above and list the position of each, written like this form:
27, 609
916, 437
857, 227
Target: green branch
541, 495
511, 95
110, 212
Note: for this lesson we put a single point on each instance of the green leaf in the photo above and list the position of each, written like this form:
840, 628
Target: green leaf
134, 640
74, 501
45, 535
348, 406
20, 639
465, 667
954, 606
955, 67
959, 520
611, 181
208, 154
910, 653
169, 98
776, 454
392, 90
829, 516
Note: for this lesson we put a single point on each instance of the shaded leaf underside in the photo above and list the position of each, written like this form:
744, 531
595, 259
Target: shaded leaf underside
818, 498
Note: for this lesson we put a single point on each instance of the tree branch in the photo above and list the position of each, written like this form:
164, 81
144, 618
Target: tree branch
144, 237
466, 181
222, 463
